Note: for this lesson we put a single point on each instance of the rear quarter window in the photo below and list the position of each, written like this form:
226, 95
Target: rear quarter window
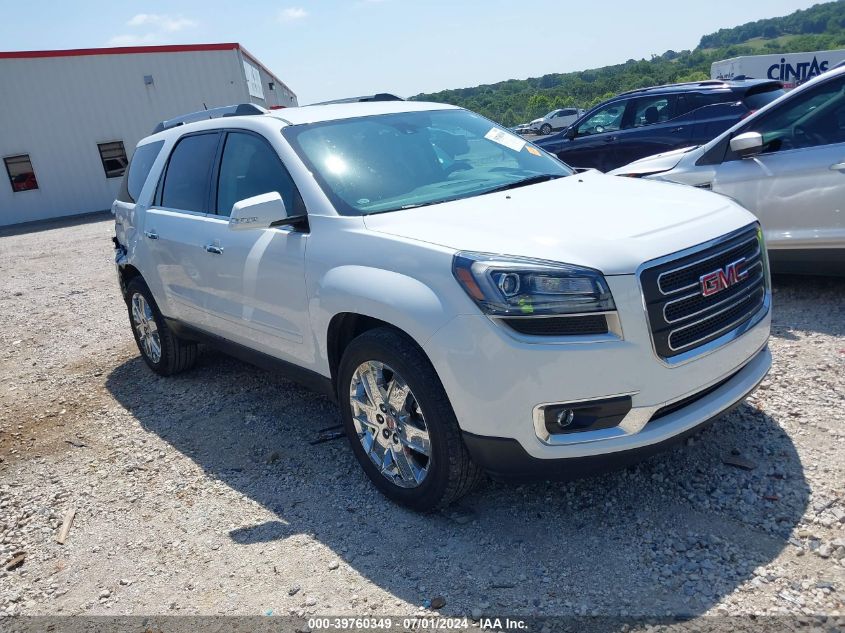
692, 101
186, 180
139, 169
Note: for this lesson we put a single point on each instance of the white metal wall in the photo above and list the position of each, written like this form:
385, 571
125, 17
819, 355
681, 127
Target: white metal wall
281, 95
56, 110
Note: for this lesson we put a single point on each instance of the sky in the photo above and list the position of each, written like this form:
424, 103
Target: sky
325, 49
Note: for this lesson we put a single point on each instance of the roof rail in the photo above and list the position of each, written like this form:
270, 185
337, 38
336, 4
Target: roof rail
240, 109
379, 96
708, 82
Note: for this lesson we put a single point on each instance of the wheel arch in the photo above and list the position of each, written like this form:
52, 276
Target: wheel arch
126, 273
351, 300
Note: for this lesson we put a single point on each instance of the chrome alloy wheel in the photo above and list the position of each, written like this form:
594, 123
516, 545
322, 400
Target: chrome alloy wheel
145, 325
390, 424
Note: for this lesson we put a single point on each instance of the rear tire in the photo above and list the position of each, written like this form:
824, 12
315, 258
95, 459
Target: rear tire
164, 352
386, 431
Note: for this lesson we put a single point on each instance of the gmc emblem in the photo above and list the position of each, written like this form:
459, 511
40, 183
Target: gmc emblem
718, 280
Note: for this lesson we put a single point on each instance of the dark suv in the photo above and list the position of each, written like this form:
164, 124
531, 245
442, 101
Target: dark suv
649, 121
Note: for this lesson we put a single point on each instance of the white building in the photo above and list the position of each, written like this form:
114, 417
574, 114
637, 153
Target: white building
791, 68
69, 120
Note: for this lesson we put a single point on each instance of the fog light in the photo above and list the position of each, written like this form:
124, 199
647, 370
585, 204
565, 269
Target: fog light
576, 417
565, 418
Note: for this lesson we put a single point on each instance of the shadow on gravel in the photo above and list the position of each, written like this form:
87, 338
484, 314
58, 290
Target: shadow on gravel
807, 303
672, 535
54, 223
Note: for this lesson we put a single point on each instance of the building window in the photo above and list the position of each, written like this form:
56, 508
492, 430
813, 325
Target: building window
114, 158
253, 81
20, 171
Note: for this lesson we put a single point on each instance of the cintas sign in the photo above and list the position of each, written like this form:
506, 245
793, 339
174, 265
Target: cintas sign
798, 72
790, 68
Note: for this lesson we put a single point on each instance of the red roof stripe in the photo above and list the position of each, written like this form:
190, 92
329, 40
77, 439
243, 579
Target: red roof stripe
120, 50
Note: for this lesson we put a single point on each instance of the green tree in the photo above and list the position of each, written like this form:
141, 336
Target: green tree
538, 105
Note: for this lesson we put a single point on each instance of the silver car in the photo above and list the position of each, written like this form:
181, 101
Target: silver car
786, 164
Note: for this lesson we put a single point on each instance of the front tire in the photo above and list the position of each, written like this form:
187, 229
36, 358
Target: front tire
164, 352
400, 424
546, 129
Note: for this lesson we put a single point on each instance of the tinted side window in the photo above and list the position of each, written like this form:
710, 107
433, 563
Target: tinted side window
188, 173
606, 119
816, 117
694, 100
139, 169
250, 167
651, 110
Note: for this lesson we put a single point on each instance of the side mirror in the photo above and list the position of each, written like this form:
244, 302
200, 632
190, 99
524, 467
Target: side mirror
571, 132
747, 144
258, 212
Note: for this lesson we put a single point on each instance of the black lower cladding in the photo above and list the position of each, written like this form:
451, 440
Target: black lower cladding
305, 377
591, 415
504, 458
827, 262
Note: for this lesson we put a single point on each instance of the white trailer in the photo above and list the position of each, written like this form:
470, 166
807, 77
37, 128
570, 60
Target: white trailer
70, 119
792, 69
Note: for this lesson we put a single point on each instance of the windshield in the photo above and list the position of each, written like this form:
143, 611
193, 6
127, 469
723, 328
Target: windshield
388, 162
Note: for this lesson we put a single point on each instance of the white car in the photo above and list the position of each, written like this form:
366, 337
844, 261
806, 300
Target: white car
471, 303
786, 164
555, 120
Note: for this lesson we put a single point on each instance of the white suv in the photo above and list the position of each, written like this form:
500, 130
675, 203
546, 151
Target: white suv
471, 303
555, 120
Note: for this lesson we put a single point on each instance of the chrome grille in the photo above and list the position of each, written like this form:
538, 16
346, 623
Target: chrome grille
681, 317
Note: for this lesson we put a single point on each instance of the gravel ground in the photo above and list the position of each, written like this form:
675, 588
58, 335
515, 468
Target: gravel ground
201, 494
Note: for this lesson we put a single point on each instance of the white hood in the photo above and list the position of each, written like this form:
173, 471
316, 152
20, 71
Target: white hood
656, 163
589, 219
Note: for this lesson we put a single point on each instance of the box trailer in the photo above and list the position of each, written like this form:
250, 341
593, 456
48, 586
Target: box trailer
792, 69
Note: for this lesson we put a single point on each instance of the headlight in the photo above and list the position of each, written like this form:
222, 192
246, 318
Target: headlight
520, 286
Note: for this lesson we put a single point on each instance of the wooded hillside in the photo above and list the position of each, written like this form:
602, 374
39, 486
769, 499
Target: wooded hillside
519, 100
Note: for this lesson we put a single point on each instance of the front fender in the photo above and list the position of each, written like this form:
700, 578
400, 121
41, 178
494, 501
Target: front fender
402, 301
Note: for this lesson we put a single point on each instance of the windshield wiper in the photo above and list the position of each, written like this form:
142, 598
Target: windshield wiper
512, 185
416, 205
531, 180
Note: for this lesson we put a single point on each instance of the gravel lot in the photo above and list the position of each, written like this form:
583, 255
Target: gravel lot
201, 494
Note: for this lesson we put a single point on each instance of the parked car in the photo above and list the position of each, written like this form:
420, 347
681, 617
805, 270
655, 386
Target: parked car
651, 120
555, 120
786, 164
494, 311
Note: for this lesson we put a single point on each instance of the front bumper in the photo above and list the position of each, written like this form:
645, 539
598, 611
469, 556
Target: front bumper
506, 459
496, 380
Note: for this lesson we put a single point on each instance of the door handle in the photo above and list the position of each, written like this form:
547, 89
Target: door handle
610, 139
838, 166
151, 235
678, 129
211, 248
